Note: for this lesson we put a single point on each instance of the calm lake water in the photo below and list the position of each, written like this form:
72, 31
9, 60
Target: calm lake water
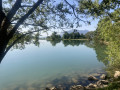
35, 68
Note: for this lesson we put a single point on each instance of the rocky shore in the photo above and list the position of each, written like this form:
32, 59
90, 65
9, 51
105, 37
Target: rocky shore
97, 83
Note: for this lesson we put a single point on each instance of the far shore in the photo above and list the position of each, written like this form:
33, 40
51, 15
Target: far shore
70, 39
75, 39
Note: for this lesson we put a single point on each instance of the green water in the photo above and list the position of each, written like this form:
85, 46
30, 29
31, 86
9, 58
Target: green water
35, 68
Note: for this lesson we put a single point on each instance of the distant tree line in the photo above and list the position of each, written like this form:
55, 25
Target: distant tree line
73, 35
54, 36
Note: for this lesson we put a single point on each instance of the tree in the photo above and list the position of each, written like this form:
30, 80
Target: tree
7, 31
77, 35
18, 14
98, 8
48, 14
66, 35
89, 35
108, 31
54, 36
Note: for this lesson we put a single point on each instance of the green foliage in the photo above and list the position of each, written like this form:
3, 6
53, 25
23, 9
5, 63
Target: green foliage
73, 42
90, 35
98, 8
55, 42
73, 35
108, 30
54, 36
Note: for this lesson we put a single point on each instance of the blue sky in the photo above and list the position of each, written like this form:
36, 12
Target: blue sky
91, 27
84, 26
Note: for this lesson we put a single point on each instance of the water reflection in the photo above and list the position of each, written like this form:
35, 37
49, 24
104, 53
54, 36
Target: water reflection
46, 66
73, 42
100, 49
113, 51
105, 54
54, 42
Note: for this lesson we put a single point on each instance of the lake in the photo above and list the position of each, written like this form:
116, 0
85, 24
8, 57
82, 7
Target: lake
51, 64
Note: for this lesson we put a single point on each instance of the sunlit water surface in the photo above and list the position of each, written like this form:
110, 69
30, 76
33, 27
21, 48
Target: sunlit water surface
35, 68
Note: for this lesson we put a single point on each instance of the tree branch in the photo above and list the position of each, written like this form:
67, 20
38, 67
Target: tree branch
14, 19
14, 9
74, 11
0, 5
23, 18
1, 13
6, 22
26, 6
2, 16
14, 42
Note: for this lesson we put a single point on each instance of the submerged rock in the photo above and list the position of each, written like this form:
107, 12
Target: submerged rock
117, 74
77, 87
92, 78
103, 77
74, 80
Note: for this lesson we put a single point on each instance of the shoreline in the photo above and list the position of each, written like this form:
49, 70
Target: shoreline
67, 39
74, 39
101, 82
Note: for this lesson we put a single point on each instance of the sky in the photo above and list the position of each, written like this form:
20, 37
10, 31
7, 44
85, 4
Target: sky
91, 27
84, 26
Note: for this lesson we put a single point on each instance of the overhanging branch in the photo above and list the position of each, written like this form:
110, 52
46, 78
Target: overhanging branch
23, 18
14, 9
14, 42
74, 11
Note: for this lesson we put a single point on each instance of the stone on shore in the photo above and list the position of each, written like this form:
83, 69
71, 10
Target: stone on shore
77, 87
92, 78
101, 83
103, 77
91, 86
117, 74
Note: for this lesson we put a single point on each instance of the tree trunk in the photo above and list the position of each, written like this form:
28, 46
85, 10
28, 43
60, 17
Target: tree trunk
3, 44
